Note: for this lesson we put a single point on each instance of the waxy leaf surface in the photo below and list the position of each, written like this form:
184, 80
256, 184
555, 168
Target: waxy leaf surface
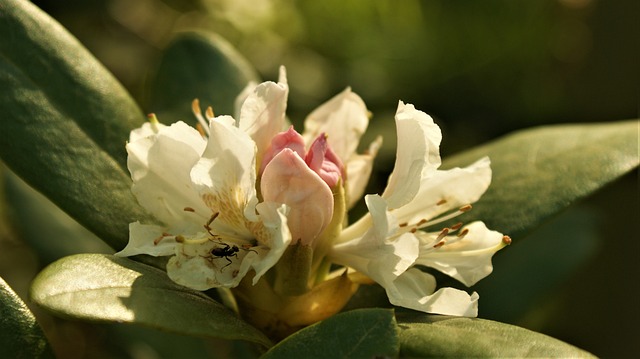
20, 334
361, 333
454, 337
540, 171
106, 288
65, 121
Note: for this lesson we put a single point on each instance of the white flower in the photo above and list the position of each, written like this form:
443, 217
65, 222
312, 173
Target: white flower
172, 168
240, 197
389, 242
231, 201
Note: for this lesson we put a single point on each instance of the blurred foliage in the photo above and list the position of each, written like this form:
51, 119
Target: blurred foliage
481, 68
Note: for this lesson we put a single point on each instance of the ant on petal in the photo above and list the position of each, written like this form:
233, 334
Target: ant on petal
225, 252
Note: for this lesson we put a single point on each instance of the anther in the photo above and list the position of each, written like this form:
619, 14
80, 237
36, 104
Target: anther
180, 239
442, 234
506, 240
441, 202
209, 112
403, 224
439, 244
188, 209
159, 239
456, 226
414, 230
421, 222
463, 233
200, 130
195, 107
465, 208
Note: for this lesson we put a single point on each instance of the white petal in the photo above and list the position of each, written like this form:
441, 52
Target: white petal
262, 114
196, 267
160, 166
287, 179
147, 239
274, 234
457, 186
242, 96
373, 254
358, 172
467, 260
417, 154
147, 129
225, 176
415, 290
344, 118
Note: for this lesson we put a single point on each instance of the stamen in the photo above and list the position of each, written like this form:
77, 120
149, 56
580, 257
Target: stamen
207, 225
463, 233
403, 224
201, 130
189, 209
506, 240
456, 226
441, 202
154, 122
442, 234
465, 208
439, 244
159, 239
461, 210
195, 107
209, 113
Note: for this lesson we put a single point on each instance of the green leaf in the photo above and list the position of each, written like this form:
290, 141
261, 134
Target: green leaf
362, 333
202, 66
45, 66
106, 288
20, 334
440, 336
31, 212
539, 172
65, 122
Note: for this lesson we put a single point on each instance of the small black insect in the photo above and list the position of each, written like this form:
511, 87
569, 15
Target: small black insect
225, 252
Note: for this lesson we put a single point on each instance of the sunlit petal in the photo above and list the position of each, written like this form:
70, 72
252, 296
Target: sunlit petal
414, 289
262, 114
160, 164
468, 259
417, 154
358, 170
447, 190
344, 119
225, 175
287, 179
147, 239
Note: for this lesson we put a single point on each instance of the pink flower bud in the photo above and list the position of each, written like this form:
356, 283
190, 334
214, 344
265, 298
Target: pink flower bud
323, 161
287, 179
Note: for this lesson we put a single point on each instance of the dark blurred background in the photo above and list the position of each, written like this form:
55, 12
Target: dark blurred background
482, 69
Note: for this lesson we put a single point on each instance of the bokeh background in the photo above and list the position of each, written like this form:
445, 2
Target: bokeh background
481, 69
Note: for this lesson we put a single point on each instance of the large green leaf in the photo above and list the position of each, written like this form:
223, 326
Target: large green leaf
441, 336
539, 172
202, 66
65, 121
106, 288
361, 333
20, 334
32, 212
43, 65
